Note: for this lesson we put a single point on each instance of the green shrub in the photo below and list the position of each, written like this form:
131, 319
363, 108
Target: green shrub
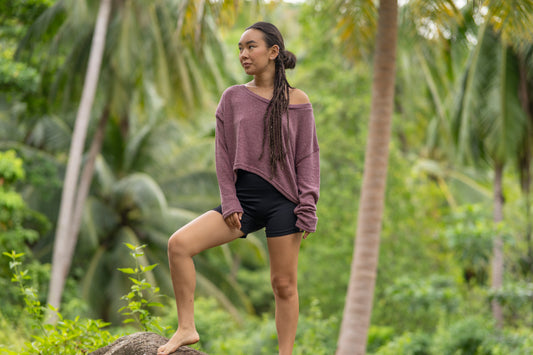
18, 226
11, 168
407, 344
214, 324
11, 337
77, 336
516, 298
316, 334
378, 336
468, 336
509, 342
140, 299
419, 304
14, 214
469, 236
66, 337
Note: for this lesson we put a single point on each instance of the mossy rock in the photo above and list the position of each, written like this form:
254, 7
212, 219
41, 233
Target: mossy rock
142, 343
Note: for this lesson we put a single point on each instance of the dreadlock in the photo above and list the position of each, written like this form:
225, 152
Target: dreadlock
279, 104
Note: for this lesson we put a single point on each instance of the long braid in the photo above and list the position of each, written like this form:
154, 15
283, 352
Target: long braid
278, 105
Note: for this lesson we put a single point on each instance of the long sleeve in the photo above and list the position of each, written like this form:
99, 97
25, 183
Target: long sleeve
307, 176
224, 168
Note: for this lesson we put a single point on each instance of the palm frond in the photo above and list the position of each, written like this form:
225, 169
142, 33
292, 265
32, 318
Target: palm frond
513, 18
356, 25
139, 196
50, 133
463, 122
104, 176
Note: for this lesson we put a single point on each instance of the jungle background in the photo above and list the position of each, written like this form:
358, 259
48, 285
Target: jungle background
462, 114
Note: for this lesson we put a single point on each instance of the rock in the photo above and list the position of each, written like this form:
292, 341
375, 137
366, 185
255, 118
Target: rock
142, 343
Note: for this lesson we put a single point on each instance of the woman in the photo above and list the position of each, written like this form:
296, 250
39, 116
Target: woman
267, 165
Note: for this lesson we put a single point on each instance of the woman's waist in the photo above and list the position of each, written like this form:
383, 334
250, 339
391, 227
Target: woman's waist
248, 181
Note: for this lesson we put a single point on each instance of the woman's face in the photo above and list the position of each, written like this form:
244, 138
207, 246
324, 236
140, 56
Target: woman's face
254, 55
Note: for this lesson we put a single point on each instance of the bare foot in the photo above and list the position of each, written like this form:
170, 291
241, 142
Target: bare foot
181, 337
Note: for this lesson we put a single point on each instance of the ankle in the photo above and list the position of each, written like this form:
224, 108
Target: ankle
187, 328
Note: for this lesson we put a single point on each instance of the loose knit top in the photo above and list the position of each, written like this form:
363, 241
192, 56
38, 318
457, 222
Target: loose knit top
239, 144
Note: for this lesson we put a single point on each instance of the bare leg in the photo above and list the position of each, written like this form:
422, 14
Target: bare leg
283, 252
207, 231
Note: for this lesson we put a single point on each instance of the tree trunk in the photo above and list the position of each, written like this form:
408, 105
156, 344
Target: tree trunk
497, 251
61, 260
358, 307
524, 161
85, 182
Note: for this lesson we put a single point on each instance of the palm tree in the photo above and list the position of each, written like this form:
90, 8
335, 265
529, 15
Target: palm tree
428, 22
65, 241
356, 318
490, 124
525, 155
143, 46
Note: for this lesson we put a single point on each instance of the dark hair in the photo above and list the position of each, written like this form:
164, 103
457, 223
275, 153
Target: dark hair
279, 103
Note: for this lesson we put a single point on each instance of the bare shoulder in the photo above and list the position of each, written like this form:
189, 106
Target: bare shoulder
297, 97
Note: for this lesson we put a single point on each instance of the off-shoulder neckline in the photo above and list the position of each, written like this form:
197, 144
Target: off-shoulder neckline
264, 99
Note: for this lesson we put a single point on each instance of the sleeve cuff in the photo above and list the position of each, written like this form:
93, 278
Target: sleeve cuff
229, 208
307, 226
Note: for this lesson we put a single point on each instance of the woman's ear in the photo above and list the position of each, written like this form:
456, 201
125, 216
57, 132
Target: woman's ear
274, 52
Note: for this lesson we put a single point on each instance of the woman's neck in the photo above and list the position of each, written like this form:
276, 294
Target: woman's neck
264, 80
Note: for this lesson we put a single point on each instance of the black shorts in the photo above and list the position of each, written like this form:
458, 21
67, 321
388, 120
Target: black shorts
263, 206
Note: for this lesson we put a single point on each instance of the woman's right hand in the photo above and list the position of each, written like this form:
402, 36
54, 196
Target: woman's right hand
234, 220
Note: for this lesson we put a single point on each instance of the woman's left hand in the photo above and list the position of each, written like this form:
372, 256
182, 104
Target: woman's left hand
305, 234
234, 220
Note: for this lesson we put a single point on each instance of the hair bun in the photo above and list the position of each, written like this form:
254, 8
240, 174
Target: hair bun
288, 58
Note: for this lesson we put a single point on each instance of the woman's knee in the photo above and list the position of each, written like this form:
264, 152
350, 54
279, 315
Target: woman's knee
284, 287
177, 245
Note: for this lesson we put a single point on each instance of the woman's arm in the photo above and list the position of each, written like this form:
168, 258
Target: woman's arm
307, 165
224, 168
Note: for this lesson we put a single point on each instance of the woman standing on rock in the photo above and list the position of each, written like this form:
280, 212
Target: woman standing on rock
267, 163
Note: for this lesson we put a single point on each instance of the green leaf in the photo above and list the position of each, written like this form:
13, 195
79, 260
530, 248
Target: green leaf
13, 264
127, 270
148, 268
131, 246
135, 281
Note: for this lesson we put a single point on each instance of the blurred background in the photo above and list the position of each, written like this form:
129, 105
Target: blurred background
460, 154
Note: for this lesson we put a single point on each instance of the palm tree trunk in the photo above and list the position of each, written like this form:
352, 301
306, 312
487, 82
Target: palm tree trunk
358, 307
497, 251
525, 158
85, 182
61, 259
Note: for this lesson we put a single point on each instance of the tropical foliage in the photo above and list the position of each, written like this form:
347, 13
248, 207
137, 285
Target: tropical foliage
458, 181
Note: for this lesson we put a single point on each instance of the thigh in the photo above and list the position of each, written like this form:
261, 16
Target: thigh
283, 252
206, 231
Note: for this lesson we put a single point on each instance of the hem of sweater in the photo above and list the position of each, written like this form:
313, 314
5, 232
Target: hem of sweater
256, 171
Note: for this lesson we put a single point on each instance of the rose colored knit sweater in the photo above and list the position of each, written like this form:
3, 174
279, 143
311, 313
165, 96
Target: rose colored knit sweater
239, 143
